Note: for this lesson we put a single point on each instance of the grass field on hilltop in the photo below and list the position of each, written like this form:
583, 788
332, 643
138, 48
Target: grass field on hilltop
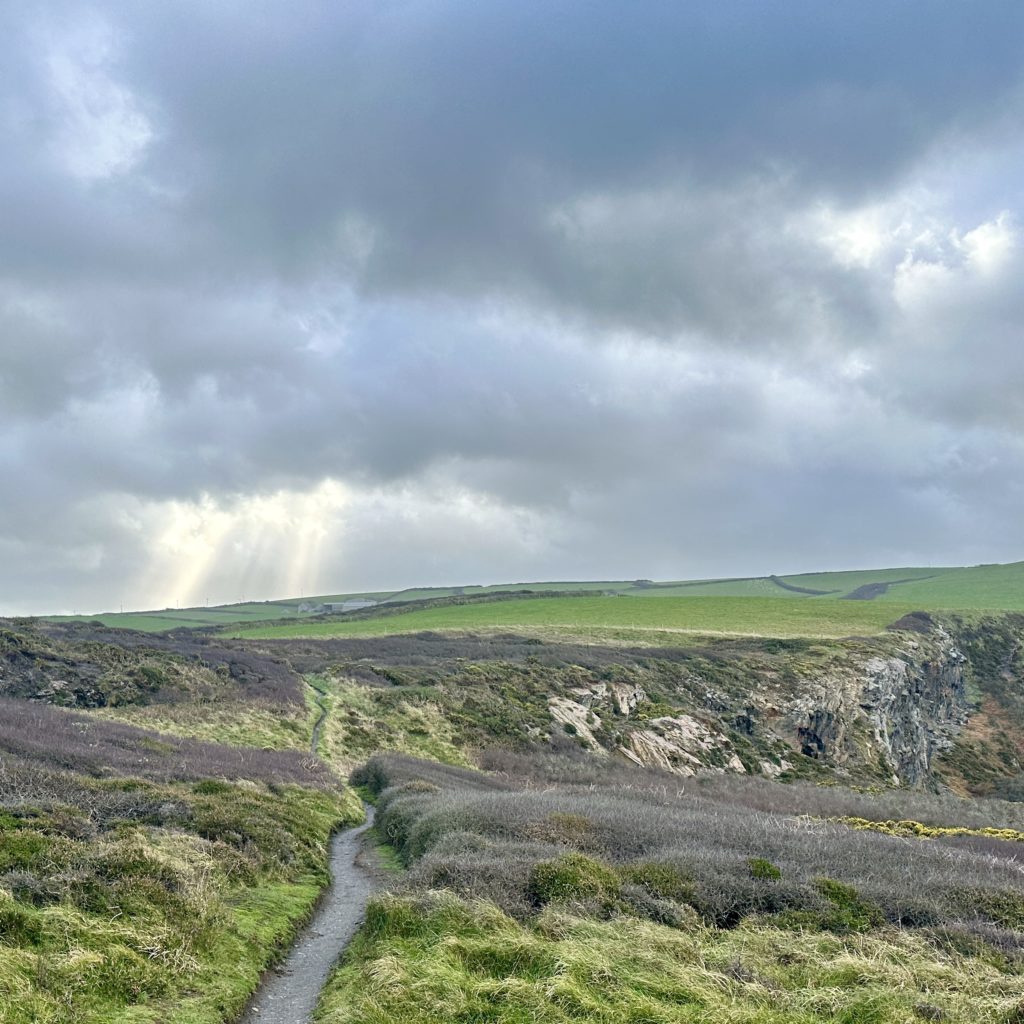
756, 587
844, 582
982, 587
990, 587
582, 615
190, 618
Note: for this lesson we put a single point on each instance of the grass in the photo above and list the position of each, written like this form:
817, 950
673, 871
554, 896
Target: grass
984, 587
843, 582
362, 720
430, 959
149, 878
190, 618
577, 891
759, 587
978, 587
575, 616
561, 891
165, 909
234, 722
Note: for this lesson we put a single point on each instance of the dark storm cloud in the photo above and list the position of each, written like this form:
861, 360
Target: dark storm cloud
550, 288
621, 163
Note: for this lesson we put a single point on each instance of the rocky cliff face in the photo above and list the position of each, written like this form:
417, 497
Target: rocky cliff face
899, 710
880, 709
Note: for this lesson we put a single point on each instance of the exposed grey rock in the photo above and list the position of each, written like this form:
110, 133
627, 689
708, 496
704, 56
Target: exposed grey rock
680, 744
898, 710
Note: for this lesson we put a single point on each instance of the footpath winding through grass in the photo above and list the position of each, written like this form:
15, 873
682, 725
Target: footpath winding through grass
289, 993
579, 616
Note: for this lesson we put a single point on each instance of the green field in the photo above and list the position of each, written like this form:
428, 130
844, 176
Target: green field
191, 618
988, 587
841, 583
760, 586
582, 616
983, 587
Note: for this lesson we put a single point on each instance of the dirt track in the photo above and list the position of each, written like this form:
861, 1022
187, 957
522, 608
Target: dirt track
289, 992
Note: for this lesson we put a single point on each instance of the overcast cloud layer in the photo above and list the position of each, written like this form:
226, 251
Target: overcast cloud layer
320, 297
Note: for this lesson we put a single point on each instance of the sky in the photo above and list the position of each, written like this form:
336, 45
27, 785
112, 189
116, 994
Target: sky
306, 297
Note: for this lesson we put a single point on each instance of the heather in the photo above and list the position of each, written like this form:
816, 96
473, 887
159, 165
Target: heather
51, 738
674, 848
87, 665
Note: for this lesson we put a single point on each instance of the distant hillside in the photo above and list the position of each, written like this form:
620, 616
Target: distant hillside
962, 588
596, 618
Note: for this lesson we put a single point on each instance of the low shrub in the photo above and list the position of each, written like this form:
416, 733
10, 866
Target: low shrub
847, 911
764, 869
144, 891
573, 877
483, 836
661, 880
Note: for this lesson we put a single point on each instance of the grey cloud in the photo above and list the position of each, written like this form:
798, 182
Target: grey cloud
542, 285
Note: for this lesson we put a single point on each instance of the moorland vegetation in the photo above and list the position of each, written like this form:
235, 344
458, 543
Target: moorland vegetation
582, 827
555, 889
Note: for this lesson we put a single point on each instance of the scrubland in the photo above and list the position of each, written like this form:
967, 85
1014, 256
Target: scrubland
553, 889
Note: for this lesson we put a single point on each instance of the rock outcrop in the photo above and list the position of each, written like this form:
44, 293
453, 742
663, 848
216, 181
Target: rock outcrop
881, 708
898, 710
680, 744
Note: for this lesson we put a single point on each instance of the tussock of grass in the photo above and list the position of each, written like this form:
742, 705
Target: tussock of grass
435, 958
363, 720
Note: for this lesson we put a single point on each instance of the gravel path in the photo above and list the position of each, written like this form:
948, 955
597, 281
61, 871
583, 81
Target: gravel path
289, 992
